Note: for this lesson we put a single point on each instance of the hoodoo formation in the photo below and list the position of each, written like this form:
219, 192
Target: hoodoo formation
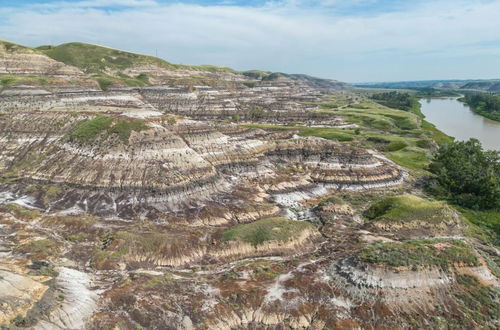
135, 193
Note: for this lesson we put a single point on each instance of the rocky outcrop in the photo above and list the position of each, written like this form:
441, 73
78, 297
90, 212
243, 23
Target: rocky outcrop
18, 293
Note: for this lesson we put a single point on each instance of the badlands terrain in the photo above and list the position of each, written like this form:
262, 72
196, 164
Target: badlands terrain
140, 194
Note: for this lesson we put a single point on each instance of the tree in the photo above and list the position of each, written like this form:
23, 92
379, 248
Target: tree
467, 175
397, 100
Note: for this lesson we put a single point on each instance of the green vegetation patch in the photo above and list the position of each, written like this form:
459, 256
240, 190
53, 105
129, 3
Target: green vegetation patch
256, 74
328, 133
406, 208
89, 130
412, 158
271, 229
467, 175
41, 247
123, 128
7, 80
20, 212
487, 221
396, 145
323, 132
98, 59
435, 134
149, 245
420, 253
397, 100
379, 117
12, 47
485, 104
479, 302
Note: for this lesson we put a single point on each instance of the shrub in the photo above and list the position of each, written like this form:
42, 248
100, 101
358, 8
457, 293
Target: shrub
89, 129
104, 83
143, 78
423, 144
123, 128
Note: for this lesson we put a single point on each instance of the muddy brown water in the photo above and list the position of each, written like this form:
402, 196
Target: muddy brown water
458, 120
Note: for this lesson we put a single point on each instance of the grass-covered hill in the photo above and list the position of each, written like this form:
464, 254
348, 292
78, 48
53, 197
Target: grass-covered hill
11, 47
98, 59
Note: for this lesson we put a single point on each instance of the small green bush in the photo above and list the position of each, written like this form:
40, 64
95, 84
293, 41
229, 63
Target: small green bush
423, 144
104, 83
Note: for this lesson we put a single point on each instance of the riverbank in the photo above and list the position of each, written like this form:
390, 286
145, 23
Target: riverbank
482, 105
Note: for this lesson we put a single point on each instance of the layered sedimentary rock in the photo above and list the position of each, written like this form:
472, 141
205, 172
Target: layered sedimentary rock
167, 164
24, 61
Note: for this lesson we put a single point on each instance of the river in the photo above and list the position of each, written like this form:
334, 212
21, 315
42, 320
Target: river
458, 120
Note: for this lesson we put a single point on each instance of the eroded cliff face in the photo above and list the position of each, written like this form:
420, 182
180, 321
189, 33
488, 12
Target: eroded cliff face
165, 165
16, 60
180, 207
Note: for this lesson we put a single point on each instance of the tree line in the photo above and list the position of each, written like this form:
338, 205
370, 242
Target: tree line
484, 104
397, 100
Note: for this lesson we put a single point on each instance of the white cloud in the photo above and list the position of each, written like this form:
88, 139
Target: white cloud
279, 36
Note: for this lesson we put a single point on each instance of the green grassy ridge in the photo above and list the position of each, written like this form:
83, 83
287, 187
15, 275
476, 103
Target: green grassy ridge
88, 130
485, 104
492, 116
407, 208
420, 253
264, 230
13, 47
7, 80
106, 81
396, 100
379, 117
97, 59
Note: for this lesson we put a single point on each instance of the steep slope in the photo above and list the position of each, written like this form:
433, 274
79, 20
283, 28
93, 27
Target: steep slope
20, 60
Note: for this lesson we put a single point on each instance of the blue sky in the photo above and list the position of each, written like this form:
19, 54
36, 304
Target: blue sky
353, 41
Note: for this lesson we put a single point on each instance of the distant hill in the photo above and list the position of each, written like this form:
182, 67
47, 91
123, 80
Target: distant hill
487, 85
